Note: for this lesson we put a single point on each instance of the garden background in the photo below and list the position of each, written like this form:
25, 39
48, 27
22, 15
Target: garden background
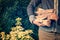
10, 10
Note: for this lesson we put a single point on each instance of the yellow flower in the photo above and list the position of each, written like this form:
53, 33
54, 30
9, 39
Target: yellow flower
19, 36
12, 34
18, 18
7, 36
28, 31
16, 31
3, 34
27, 36
19, 28
21, 33
13, 38
13, 29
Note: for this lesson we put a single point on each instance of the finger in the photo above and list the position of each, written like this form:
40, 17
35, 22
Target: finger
37, 23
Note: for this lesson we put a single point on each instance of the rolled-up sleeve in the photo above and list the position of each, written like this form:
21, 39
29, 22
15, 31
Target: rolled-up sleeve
31, 7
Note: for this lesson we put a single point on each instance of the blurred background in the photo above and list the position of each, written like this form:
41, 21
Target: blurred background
10, 10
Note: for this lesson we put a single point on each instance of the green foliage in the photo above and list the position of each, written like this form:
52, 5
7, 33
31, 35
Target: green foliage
0, 28
10, 10
17, 32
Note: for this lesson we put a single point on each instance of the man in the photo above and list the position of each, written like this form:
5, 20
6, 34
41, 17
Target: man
45, 33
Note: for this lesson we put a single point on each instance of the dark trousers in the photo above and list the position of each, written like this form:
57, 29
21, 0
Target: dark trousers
43, 35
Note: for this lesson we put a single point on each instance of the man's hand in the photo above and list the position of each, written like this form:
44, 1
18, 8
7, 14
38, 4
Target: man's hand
43, 20
53, 16
38, 23
47, 22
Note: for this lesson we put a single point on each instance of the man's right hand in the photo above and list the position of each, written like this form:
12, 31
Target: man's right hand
42, 22
37, 23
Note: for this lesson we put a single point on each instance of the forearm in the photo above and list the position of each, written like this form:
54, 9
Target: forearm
31, 18
30, 9
30, 13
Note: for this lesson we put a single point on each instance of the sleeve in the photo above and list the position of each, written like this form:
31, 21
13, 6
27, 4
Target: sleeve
31, 7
